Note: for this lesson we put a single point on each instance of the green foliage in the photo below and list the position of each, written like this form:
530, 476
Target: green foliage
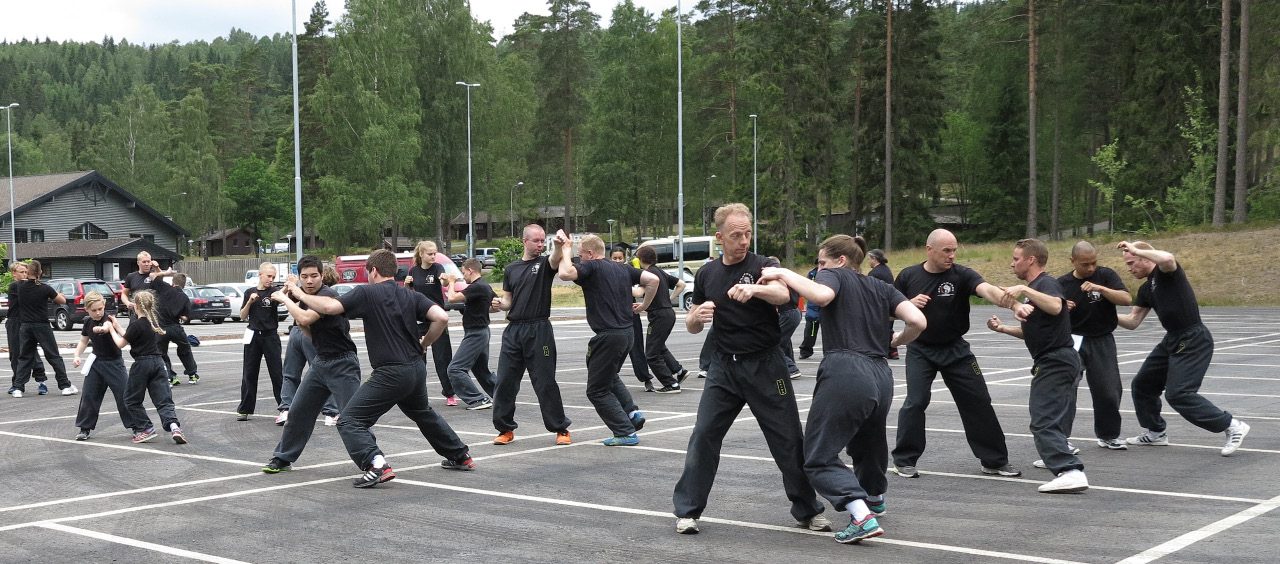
1191, 201
258, 197
1110, 165
509, 250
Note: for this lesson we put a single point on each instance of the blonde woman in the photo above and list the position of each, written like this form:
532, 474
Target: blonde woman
425, 278
148, 372
32, 308
107, 368
11, 326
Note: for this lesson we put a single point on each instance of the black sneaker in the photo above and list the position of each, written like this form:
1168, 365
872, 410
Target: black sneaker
83, 435
805, 355
193, 379
668, 390
277, 466
174, 381
374, 476
681, 375
648, 386
464, 465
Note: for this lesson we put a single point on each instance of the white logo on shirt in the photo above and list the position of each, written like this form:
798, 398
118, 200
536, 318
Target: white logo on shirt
535, 268
431, 279
946, 290
1095, 296
747, 278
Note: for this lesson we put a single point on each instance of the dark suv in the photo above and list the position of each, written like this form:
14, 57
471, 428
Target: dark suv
64, 316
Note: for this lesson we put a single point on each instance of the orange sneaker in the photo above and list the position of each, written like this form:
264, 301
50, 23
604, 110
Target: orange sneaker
504, 438
562, 438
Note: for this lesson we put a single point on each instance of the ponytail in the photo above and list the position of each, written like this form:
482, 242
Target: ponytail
145, 303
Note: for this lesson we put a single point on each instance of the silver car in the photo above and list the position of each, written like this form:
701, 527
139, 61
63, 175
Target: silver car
235, 292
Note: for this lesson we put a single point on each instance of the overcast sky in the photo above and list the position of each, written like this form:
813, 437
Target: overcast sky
162, 21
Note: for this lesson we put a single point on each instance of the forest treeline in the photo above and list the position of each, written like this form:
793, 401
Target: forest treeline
1143, 116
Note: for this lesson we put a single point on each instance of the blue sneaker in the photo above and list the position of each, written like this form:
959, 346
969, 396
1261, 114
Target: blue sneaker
637, 420
43, 389
625, 440
856, 531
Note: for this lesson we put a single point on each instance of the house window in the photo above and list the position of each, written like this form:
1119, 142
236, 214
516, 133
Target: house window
87, 230
20, 236
135, 235
151, 238
37, 235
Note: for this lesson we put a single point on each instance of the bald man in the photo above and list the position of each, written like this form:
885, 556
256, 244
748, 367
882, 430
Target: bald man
1092, 293
941, 289
1177, 365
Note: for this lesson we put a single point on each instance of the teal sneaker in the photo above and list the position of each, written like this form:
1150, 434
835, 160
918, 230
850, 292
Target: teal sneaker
625, 440
877, 508
637, 420
856, 531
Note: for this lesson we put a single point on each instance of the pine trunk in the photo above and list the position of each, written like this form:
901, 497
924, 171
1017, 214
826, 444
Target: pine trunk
1032, 61
1241, 204
888, 130
1224, 90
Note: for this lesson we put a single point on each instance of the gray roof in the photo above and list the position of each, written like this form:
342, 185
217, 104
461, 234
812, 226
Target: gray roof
92, 248
30, 191
220, 235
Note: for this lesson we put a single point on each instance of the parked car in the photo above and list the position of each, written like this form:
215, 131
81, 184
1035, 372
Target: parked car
351, 269
117, 287
488, 256
4, 306
207, 304
345, 287
686, 297
235, 294
64, 316
458, 259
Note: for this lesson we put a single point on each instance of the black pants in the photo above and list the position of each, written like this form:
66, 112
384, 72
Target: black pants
328, 379
441, 355
1102, 372
39, 335
394, 385
605, 354
850, 412
148, 375
961, 374
638, 363
11, 326
810, 336
708, 351
763, 384
1176, 367
657, 354
1052, 405
532, 345
176, 335
265, 346
106, 373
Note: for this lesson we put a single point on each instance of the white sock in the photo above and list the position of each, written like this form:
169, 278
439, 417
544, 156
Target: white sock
379, 461
858, 509
1234, 422
173, 426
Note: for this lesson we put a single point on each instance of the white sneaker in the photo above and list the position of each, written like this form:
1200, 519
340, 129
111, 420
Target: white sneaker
1070, 481
818, 522
1149, 438
1235, 436
330, 420
796, 375
284, 416
1073, 448
1039, 464
17, 393
70, 391
1113, 444
686, 526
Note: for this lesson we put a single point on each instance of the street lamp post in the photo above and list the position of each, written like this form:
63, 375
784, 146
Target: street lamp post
471, 223
704, 205
680, 137
611, 233
257, 253
512, 215
191, 246
171, 197
755, 193
13, 215
297, 142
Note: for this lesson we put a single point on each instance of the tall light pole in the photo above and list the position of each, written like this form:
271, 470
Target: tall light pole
471, 222
704, 204
297, 147
13, 215
611, 233
680, 138
171, 197
755, 193
512, 216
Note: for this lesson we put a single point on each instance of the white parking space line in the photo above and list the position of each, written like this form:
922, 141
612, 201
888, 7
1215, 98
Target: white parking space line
167, 550
1188, 539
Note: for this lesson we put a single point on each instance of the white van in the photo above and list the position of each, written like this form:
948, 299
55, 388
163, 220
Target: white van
697, 251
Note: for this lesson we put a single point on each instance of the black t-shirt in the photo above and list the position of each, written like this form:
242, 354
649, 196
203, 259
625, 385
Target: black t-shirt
860, 315
740, 328
882, 272
262, 314
1170, 294
104, 346
426, 281
331, 334
662, 300
948, 309
529, 282
606, 285
136, 282
1094, 315
792, 303
1042, 331
391, 314
171, 303
479, 296
32, 302
143, 339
